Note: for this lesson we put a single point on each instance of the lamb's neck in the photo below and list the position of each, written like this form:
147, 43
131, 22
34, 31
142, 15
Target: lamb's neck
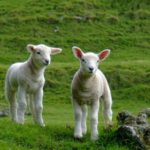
36, 70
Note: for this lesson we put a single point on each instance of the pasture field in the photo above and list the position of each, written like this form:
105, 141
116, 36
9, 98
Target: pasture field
93, 25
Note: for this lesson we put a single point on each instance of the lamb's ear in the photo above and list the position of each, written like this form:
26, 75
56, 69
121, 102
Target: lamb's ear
104, 54
55, 50
78, 53
31, 48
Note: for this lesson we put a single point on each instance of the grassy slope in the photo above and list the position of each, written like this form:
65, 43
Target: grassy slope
122, 26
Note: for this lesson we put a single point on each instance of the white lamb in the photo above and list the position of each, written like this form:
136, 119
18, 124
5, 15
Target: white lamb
26, 80
88, 86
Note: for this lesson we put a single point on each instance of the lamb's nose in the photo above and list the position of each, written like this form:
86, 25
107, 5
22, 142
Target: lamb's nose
91, 69
46, 62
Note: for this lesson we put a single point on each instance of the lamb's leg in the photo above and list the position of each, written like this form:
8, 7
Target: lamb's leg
38, 107
22, 104
107, 108
94, 120
32, 107
28, 99
84, 116
78, 119
13, 105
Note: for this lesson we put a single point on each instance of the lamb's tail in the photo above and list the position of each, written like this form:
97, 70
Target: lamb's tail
6, 88
11, 97
107, 102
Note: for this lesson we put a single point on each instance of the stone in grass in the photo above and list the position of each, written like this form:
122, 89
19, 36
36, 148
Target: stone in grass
142, 119
146, 112
128, 136
134, 130
126, 118
146, 136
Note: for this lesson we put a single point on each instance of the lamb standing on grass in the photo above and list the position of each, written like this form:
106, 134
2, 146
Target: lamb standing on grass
26, 79
88, 86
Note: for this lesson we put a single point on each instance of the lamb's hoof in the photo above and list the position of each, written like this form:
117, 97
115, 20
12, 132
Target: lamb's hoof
94, 137
39, 123
109, 127
42, 125
78, 137
20, 122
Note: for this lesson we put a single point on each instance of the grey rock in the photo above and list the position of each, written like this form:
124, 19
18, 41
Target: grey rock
146, 135
126, 118
134, 130
128, 135
146, 112
141, 119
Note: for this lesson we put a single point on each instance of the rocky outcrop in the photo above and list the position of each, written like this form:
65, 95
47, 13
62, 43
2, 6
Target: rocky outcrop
134, 130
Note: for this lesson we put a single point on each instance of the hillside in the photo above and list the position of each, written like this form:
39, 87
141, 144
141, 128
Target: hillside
93, 25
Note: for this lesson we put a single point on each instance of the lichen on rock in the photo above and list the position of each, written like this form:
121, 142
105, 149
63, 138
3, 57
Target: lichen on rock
134, 130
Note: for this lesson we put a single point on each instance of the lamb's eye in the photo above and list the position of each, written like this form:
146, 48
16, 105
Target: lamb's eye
83, 60
38, 53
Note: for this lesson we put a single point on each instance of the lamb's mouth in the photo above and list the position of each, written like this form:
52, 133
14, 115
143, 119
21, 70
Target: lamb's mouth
91, 72
45, 64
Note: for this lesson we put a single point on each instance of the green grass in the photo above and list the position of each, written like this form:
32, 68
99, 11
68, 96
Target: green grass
122, 26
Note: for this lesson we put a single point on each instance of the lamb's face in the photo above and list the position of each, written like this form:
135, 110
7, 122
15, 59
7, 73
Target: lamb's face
89, 61
41, 53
